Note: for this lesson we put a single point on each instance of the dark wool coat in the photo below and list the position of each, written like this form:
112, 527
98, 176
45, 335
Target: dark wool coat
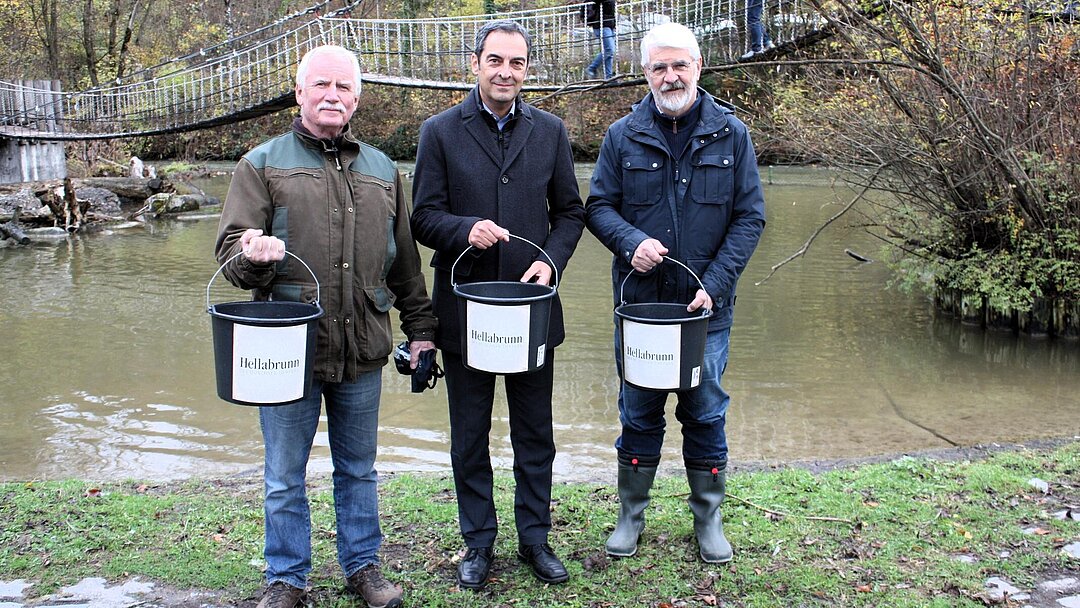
522, 179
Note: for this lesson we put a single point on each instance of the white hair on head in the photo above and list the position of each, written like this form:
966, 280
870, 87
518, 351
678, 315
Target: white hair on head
671, 35
328, 49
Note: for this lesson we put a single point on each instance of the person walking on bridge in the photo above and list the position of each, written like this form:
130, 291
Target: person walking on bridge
599, 15
676, 177
486, 168
337, 204
758, 34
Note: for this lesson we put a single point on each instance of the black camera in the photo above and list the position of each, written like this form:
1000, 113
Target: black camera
427, 371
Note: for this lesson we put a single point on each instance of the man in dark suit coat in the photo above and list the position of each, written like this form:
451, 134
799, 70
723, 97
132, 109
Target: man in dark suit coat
487, 168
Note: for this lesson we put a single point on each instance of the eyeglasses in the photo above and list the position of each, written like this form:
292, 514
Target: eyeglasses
660, 69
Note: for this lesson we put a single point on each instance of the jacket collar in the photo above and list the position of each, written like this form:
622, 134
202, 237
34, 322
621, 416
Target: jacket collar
343, 141
713, 115
472, 118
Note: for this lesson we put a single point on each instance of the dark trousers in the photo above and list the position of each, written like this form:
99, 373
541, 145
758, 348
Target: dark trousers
470, 394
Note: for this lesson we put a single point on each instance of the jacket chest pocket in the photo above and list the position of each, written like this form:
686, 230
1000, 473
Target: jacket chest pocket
295, 184
643, 179
713, 179
371, 190
375, 206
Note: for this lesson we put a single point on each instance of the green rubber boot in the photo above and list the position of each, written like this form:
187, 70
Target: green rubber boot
707, 490
636, 476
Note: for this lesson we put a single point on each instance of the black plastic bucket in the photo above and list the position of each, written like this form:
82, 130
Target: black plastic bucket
504, 323
264, 351
663, 345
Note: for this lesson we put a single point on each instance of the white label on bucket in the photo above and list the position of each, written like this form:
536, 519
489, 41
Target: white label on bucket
695, 376
269, 363
651, 354
540, 351
497, 337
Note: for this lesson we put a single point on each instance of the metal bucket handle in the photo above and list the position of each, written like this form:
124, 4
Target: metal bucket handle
222, 267
554, 269
622, 287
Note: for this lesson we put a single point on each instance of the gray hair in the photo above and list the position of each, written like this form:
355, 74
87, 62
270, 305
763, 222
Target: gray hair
505, 26
328, 49
671, 35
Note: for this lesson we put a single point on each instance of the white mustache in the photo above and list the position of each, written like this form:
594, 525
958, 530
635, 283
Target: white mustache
336, 107
672, 86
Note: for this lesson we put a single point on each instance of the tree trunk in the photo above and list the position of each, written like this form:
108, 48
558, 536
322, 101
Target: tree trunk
129, 33
73, 213
46, 13
88, 41
12, 230
127, 188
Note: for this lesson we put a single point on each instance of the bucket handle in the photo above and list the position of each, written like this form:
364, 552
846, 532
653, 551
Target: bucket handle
622, 287
554, 269
222, 267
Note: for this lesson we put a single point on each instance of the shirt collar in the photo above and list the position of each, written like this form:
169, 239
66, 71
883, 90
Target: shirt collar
500, 122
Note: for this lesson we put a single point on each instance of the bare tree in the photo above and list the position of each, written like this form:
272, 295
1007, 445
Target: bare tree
962, 118
46, 14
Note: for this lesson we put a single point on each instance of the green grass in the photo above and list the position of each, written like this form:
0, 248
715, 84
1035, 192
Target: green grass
875, 535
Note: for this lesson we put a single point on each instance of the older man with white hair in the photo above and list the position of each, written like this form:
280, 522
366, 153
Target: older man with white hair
678, 178
337, 204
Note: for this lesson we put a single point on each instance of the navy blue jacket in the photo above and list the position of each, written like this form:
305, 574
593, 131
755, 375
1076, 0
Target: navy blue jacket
523, 180
706, 206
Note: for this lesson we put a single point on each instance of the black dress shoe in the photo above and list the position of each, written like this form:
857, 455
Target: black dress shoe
544, 564
472, 572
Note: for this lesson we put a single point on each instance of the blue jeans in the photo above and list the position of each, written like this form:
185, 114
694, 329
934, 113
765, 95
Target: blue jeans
701, 410
352, 420
607, 52
759, 36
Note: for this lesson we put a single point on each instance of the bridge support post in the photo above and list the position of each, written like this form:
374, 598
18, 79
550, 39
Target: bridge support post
30, 105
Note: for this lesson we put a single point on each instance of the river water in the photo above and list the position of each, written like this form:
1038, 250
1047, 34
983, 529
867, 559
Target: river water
106, 369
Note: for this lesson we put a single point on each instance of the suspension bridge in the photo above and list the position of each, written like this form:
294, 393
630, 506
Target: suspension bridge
253, 74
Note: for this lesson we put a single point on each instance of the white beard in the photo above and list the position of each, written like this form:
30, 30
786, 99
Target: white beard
673, 101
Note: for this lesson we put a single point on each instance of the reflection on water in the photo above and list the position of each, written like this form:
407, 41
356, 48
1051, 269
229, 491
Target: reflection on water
107, 365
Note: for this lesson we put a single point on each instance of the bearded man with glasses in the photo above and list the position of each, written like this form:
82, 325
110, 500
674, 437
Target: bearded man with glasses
677, 178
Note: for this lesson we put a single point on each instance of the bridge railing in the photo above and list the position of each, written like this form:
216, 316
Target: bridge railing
251, 75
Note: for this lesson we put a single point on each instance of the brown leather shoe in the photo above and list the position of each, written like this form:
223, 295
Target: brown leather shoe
281, 595
368, 582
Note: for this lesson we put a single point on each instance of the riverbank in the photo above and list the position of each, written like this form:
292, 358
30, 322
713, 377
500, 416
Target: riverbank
912, 531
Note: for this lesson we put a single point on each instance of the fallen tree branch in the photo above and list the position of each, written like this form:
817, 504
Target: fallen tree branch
806, 246
776, 513
12, 230
782, 514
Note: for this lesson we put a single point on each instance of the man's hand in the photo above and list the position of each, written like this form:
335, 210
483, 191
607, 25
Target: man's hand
701, 300
486, 233
415, 348
261, 249
648, 254
540, 270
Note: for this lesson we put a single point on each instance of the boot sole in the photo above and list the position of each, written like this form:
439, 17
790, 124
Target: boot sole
716, 561
470, 586
632, 553
394, 603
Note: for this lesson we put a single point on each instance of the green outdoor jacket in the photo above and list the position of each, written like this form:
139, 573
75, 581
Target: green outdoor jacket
339, 207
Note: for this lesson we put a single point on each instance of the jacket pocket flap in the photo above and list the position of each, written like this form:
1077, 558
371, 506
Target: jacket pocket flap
381, 297
294, 292
723, 161
643, 163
